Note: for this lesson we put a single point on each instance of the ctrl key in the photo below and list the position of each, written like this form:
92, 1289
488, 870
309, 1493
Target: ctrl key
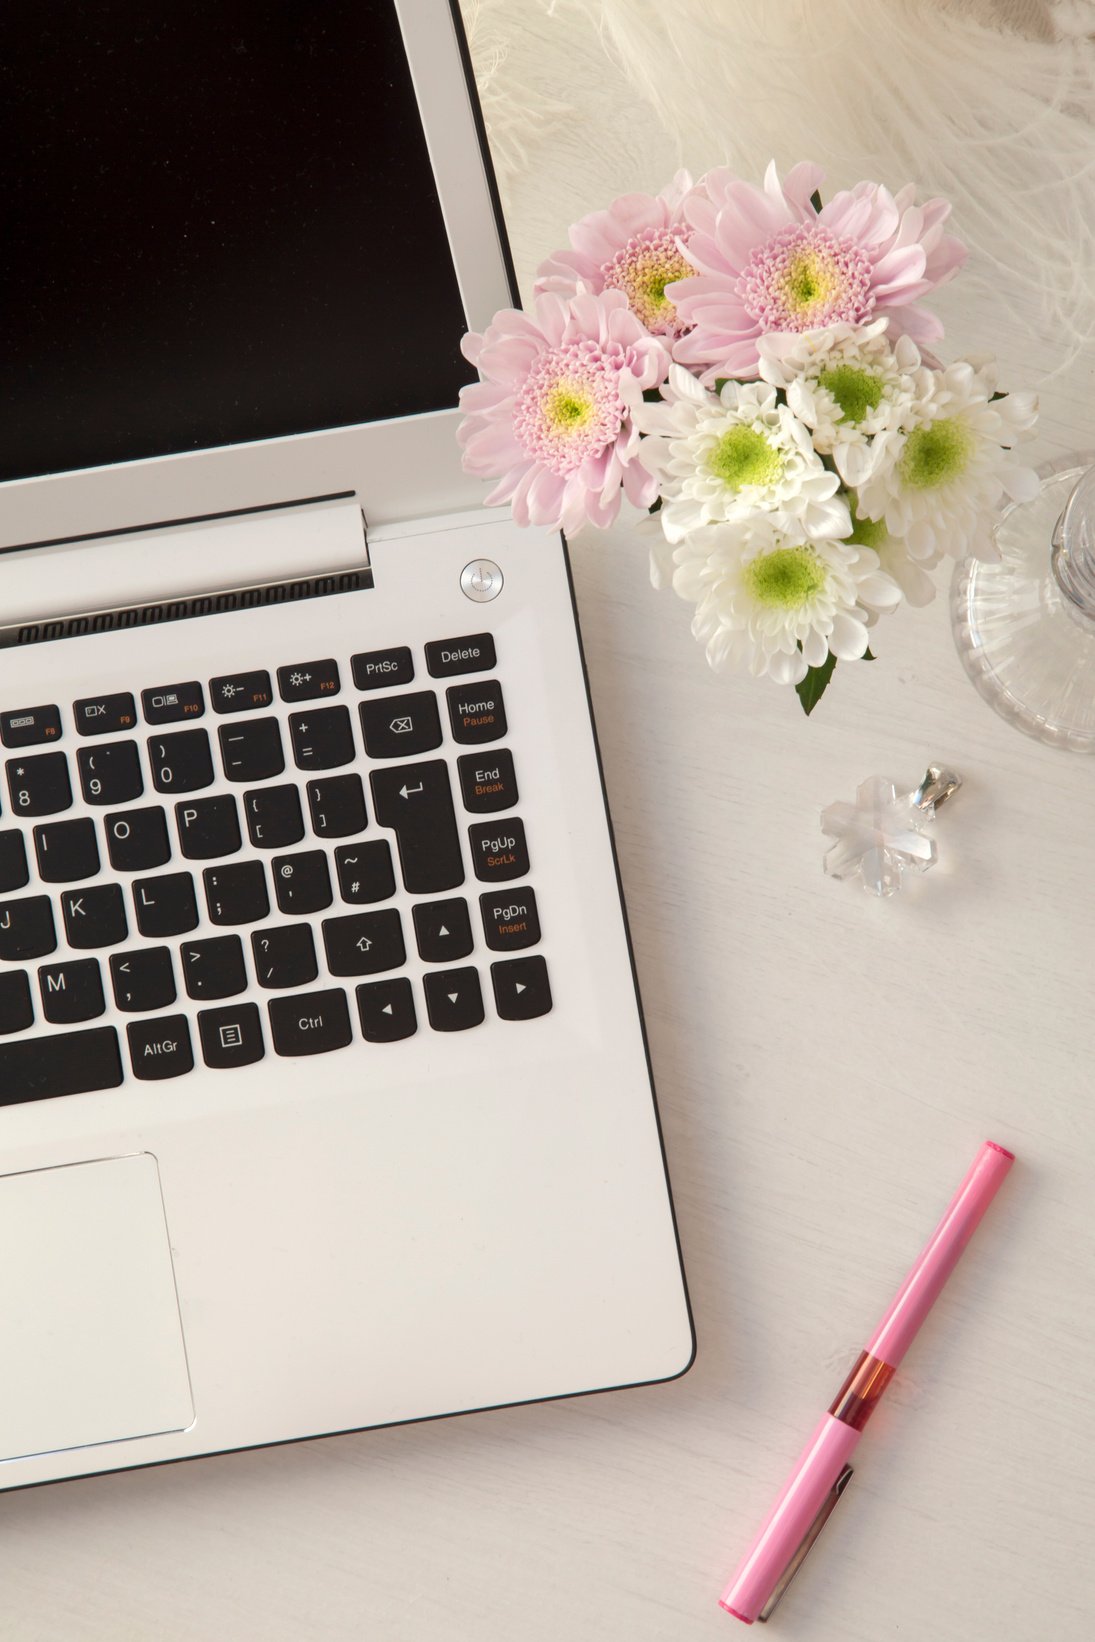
310, 1023
161, 1048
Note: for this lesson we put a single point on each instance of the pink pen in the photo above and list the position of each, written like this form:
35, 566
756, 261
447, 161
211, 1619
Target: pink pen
822, 1472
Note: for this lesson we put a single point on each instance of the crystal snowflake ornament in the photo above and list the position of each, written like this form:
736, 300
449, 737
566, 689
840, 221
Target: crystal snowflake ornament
884, 834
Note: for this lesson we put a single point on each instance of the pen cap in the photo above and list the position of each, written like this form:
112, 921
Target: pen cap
788, 1522
918, 1293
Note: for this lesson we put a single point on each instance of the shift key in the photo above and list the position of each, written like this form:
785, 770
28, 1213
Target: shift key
415, 800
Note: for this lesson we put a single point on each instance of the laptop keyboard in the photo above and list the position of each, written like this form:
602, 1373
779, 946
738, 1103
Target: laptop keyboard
290, 951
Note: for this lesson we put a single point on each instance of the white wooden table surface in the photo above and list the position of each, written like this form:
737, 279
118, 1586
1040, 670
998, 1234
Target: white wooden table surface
826, 1067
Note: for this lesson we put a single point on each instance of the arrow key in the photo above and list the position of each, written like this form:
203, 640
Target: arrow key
364, 943
454, 999
143, 980
443, 930
386, 1009
521, 989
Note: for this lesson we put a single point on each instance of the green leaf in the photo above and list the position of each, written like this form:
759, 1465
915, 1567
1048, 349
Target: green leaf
815, 201
652, 396
721, 381
655, 505
814, 685
866, 656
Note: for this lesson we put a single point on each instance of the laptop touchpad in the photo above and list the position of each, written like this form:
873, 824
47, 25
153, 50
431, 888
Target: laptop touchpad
93, 1348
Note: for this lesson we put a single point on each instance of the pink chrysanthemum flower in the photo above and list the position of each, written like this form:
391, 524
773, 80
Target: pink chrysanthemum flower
552, 417
633, 247
768, 261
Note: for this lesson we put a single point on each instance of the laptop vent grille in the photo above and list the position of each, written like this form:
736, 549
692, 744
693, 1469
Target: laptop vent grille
198, 604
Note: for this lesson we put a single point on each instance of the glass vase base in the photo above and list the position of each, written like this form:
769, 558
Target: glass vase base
1028, 649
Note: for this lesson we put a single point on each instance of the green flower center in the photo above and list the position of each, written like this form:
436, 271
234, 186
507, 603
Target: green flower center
936, 453
566, 408
743, 456
786, 579
855, 391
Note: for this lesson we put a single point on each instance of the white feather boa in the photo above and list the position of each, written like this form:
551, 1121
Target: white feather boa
997, 118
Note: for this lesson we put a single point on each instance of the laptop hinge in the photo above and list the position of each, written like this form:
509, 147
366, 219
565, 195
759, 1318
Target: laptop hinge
343, 567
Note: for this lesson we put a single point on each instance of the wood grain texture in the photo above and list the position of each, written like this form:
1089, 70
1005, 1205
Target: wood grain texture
826, 1068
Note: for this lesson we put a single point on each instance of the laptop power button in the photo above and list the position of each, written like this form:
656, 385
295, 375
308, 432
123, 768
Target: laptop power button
481, 580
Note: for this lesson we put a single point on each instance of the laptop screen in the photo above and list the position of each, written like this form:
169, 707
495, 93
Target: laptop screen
218, 223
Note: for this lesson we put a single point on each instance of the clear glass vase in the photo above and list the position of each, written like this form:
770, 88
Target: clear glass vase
1025, 628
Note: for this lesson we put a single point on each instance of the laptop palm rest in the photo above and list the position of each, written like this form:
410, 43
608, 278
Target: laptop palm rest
93, 1348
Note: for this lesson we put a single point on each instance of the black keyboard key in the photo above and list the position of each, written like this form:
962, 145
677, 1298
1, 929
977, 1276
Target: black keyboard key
454, 999
143, 980
110, 774
415, 800
401, 726
165, 905
274, 819
59, 1063
240, 692
137, 841
181, 761
386, 1010
365, 872
383, 669
251, 750
284, 955
39, 785
208, 827
72, 991
105, 715
510, 919
28, 726
16, 1007
302, 881
213, 968
487, 781
310, 1023
443, 931
160, 1048
309, 679
14, 872
477, 713
322, 739
521, 989
364, 943
337, 806
236, 894
473, 654
170, 703
232, 1036
498, 850
26, 931
67, 851
94, 917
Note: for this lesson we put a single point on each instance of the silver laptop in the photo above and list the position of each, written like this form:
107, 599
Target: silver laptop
324, 1100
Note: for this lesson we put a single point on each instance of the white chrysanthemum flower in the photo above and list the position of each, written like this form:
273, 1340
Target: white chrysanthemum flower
938, 485
848, 385
734, 455
911, 575
775, 604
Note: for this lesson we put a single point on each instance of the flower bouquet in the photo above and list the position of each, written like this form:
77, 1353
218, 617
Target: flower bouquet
750, 365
